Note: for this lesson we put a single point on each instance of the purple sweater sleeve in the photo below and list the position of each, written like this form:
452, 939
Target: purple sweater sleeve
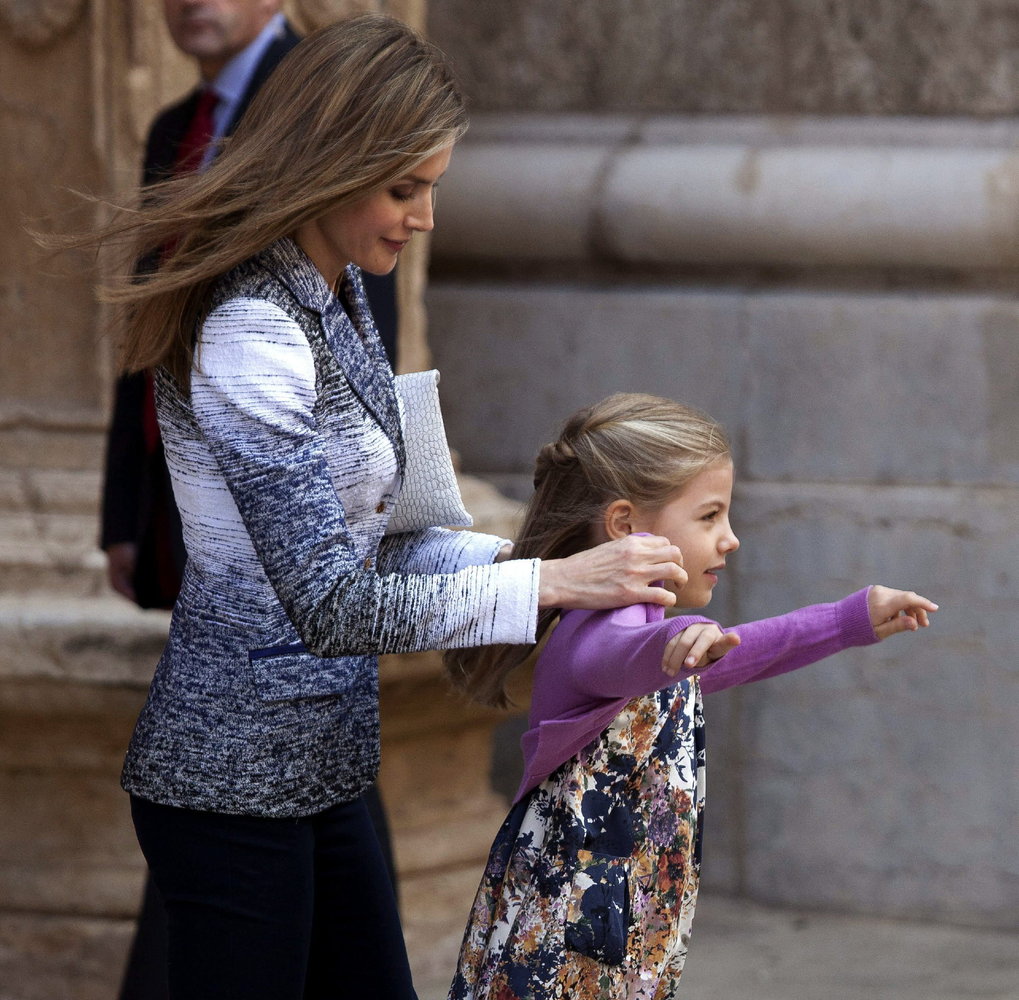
596, 661
623, 661
774, 646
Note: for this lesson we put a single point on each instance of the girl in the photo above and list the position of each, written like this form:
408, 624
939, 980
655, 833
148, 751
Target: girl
590, 887
286, 445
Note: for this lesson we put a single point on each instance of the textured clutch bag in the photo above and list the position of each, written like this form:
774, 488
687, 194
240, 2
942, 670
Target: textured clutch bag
430, 496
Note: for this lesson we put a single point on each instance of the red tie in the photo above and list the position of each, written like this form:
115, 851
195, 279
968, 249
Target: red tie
192, 147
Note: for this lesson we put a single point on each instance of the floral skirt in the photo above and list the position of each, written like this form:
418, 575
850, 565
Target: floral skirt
591, 883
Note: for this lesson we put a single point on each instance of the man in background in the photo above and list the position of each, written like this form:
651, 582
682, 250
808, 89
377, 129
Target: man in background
236, 45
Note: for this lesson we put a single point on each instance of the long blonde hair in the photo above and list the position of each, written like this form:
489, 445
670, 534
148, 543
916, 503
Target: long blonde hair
351, 108
630, 446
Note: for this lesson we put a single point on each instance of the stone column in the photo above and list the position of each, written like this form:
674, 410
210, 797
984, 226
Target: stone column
80, 84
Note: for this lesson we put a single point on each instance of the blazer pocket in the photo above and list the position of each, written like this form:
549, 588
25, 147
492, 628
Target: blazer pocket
598, 912
286, 673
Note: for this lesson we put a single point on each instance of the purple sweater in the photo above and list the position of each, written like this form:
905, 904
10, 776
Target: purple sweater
596, 661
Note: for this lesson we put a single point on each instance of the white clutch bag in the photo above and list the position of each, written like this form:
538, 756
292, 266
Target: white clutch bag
430, 496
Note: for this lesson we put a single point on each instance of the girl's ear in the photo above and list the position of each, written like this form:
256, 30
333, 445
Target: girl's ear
618, 519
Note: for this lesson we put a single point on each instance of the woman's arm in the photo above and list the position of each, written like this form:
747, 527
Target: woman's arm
437, 550
253, 396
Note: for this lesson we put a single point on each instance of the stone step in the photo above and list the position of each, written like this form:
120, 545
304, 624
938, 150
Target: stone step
50, 553
104, 641
49, 533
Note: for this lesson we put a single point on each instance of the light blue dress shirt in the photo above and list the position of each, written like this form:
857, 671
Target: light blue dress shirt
233, 80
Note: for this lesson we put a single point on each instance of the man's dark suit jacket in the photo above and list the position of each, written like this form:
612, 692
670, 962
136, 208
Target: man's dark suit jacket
137, 494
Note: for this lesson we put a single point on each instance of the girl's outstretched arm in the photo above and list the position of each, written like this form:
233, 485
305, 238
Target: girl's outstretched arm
774, 646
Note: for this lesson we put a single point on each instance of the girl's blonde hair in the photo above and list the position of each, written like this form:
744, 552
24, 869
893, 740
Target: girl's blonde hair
631, 446
352, 107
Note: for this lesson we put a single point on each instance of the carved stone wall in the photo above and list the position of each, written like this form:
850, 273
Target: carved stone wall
773, 57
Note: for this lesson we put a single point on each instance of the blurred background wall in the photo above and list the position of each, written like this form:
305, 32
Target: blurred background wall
802, 216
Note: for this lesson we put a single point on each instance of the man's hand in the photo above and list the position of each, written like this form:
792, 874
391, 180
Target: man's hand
121, 560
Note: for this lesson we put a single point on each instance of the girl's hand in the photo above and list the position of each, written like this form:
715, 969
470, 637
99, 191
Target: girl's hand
612, 575
697, 645
893, 611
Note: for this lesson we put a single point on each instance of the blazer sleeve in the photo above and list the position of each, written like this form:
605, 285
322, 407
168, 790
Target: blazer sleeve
253, 393
437, 550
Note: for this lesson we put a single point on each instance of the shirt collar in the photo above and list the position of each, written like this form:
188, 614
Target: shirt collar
233, 79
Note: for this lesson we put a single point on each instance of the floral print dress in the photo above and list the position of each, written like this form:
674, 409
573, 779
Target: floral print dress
591, 883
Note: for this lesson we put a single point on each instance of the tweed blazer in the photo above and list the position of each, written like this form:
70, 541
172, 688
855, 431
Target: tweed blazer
286, 458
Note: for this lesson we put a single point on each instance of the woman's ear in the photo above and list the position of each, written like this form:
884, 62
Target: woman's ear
618, 519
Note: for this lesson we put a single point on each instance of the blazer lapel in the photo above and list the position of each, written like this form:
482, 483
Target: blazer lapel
357, 347
352, 338
165, 137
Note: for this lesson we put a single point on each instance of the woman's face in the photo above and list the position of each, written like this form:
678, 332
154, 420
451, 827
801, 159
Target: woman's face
371, 232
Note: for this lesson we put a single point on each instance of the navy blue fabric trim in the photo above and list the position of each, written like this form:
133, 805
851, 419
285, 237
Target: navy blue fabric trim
293, 647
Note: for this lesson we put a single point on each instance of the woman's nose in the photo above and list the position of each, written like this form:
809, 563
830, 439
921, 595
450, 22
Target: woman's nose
422, 219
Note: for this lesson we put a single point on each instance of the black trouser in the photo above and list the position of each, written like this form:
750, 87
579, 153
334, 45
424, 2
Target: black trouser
145, 970
281, 909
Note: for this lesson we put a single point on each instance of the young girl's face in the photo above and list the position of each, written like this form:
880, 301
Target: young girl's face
697, 520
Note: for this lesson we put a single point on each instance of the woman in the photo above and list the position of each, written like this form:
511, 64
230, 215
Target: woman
283, 436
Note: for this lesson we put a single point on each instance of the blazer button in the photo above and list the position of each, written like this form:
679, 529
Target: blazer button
368, 563
381, 508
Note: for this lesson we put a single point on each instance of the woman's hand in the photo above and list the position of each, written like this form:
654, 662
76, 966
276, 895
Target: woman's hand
613, 575
893, 611
698, 645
